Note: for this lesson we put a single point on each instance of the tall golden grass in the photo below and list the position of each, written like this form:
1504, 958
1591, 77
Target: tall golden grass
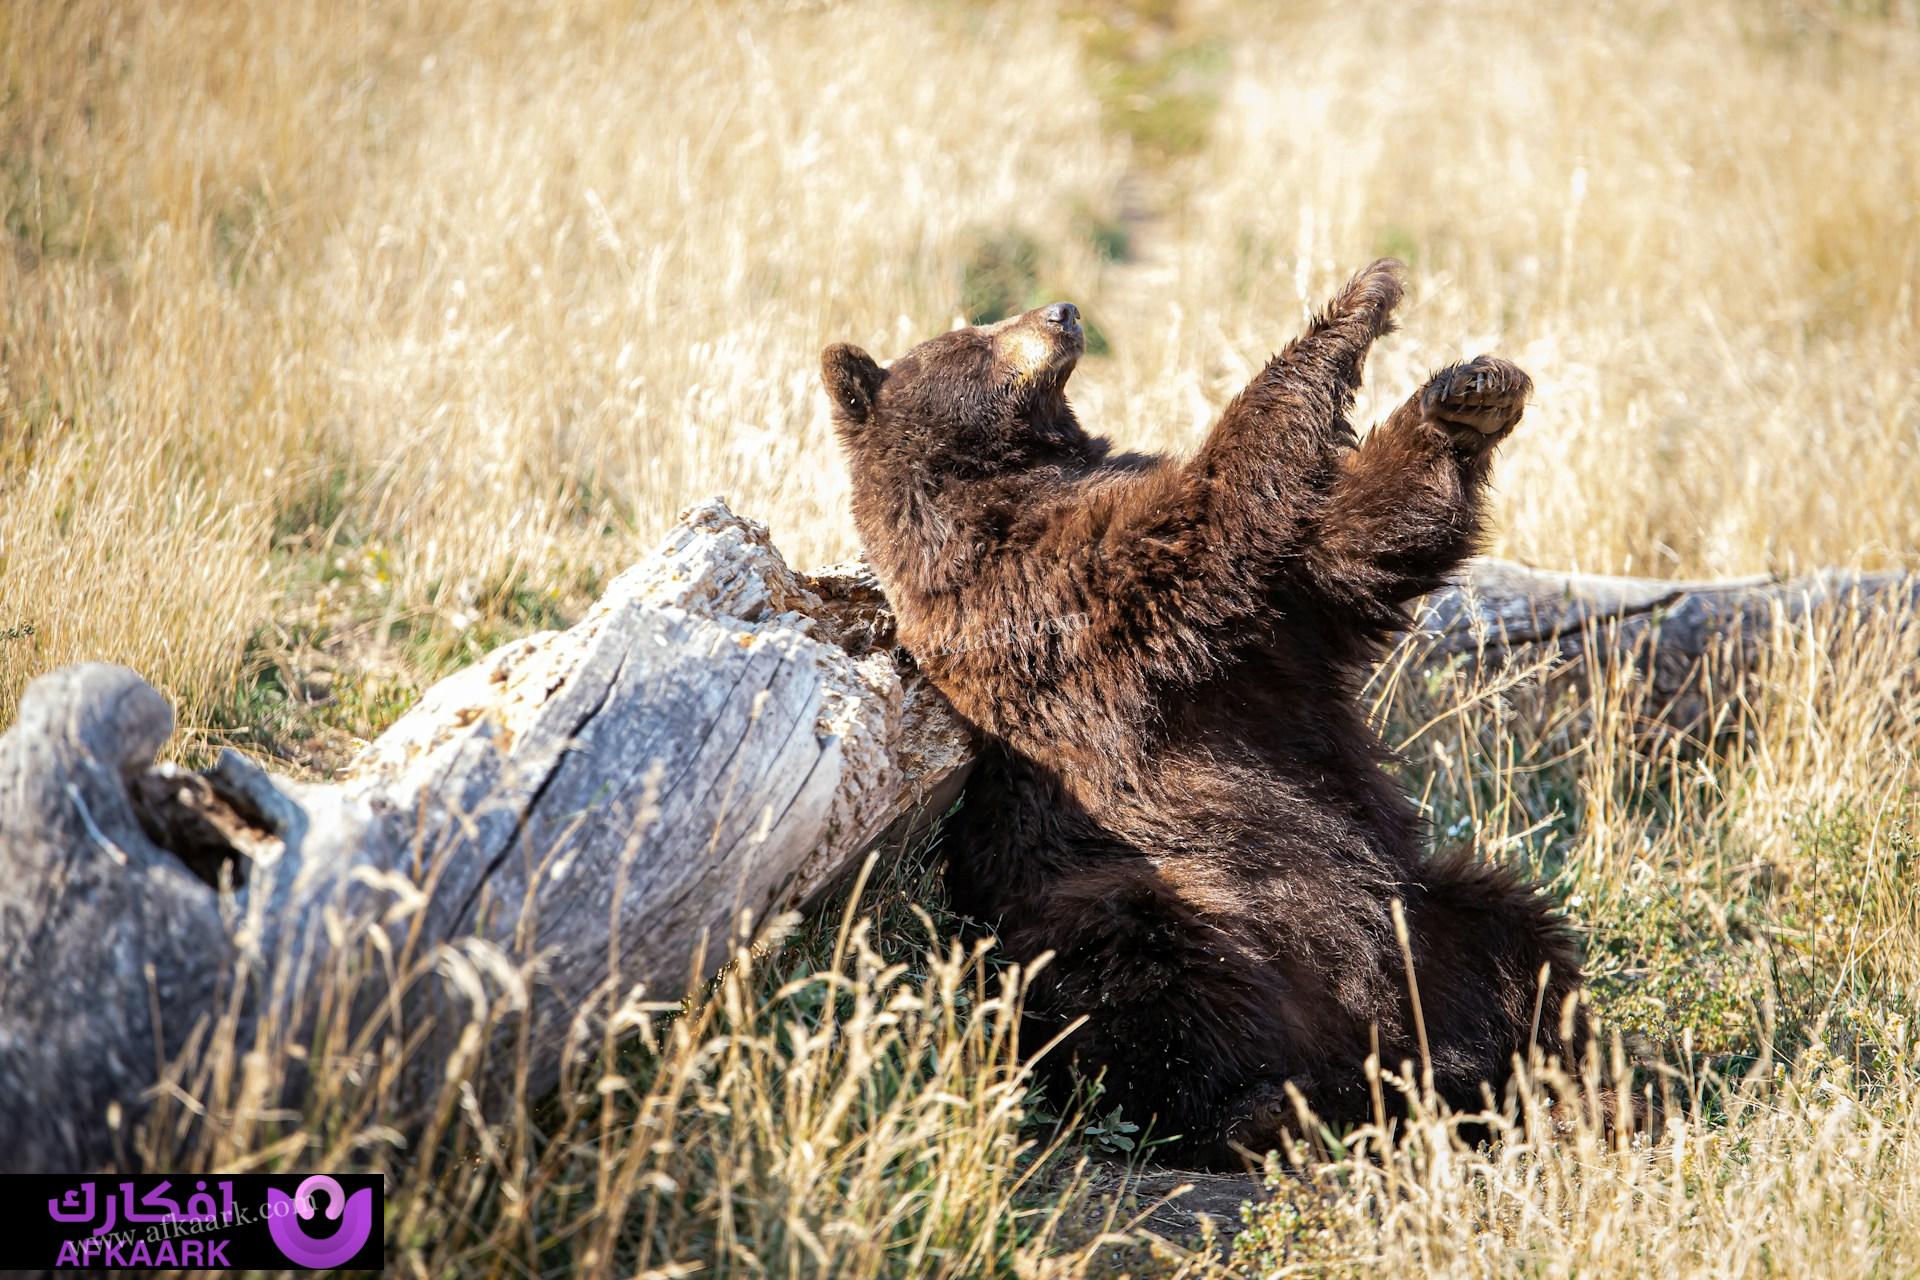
327, 324
487, 291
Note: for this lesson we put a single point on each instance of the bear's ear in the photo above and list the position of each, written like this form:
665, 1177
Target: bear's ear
853, 381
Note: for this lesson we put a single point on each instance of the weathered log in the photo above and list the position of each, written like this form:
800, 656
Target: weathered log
1680, 646
718, 736
583, 812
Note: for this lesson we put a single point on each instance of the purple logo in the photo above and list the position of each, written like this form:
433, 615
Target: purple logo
285, 1218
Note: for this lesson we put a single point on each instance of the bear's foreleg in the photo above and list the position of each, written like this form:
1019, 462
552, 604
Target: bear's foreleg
1194, 550
1406, 508
1279, 442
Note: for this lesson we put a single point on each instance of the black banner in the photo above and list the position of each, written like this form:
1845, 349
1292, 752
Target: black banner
194, 1221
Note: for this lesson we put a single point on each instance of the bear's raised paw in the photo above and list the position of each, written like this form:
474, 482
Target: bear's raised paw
1477, 401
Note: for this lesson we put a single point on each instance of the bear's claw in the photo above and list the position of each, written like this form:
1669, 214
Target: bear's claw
1485, 395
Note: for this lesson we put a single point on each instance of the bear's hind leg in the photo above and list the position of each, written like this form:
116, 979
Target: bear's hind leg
1495, 967
1174, 1015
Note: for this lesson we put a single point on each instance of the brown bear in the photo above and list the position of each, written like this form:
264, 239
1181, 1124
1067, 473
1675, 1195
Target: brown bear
1178, 794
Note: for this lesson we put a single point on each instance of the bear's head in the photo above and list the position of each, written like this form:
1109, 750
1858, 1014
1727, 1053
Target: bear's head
973, 402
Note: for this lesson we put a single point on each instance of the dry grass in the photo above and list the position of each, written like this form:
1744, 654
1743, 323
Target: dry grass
341, 341
859, 1114
428, 317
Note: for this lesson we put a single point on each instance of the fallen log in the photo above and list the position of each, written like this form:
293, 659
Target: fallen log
581, 816
719, 737
1676, 649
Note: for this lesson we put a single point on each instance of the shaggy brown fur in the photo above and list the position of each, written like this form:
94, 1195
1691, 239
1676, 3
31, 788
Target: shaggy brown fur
1178, 794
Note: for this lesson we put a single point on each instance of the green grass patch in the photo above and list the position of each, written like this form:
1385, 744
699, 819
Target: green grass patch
45, 215
1158, 75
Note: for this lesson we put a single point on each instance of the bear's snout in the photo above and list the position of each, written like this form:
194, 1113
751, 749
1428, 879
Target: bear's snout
1044, 341
1063, 316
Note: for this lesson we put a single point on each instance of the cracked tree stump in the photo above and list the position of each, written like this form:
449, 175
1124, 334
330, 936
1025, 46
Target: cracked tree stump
582, 816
